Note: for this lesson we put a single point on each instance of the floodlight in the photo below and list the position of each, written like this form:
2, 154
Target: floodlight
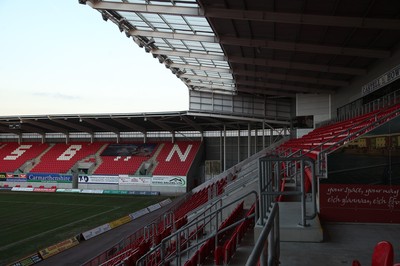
150, 42
104, 16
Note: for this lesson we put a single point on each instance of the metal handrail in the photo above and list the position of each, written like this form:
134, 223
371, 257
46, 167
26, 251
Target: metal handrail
268, 189
269, 237
197, 219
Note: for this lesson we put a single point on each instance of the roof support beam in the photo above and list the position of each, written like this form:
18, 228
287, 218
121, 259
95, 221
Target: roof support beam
201, 68
45, 126
145, 8
101, 125
284, 77
282, 87
304, 47
297, 65
161, 124
305, 19
189, 54
172, 35
130, 125
252, 90
25, 128
210, 86
192, 124
252, 15
207, 79
73, 125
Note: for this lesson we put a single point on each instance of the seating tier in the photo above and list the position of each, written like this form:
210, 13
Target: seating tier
176, 158
14, 155
62, 157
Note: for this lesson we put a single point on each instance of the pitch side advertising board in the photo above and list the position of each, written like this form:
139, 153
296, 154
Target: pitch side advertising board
176, 181
98, 179
48, 178
3, 177
133, 180
96, 231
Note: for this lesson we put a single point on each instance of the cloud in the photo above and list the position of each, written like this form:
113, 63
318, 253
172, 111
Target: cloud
59, 96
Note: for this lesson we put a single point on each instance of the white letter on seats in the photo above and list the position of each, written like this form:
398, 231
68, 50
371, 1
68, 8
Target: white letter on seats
17, 152
69, 153
176, 149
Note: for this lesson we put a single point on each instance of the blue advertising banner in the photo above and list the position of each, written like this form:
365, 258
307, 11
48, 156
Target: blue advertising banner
16, 179
48, 177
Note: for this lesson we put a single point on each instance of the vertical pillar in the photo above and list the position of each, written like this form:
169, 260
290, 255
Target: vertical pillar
145, 137
238, 146
263, 135
224, 147
248, 140
255, 140
271, 135
220, 151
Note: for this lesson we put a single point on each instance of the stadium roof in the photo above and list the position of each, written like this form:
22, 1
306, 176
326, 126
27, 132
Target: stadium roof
141, 122
273, 48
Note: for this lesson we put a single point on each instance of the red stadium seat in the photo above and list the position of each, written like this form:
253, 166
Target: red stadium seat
383, 254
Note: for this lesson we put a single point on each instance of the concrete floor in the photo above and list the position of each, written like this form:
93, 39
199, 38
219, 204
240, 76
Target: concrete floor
342, 244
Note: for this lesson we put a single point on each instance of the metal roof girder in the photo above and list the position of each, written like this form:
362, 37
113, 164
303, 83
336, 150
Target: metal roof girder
300, 18
305, 47
147, 8
285, 77
298, 65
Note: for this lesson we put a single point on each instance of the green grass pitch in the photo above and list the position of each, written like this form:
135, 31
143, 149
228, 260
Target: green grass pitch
33, 221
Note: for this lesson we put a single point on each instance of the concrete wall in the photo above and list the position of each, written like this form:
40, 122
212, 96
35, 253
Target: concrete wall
317, 105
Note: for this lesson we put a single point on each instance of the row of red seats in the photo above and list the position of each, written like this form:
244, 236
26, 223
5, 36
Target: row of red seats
62, 157
197, 199
231, 245
208, 248
236, 215
176, 158
327, 136
121, 164
14, 155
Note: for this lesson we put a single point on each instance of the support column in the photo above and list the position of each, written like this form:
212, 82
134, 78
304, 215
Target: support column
255, 139
248, 140
224, 147
220, 151
271, 135
263, 135
238, 146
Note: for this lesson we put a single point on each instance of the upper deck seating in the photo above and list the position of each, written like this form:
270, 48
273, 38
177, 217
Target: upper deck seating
62, 157
176, 158
14, 155
331, 135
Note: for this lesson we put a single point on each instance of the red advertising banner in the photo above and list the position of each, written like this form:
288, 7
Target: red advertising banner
39, 189
360, 203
